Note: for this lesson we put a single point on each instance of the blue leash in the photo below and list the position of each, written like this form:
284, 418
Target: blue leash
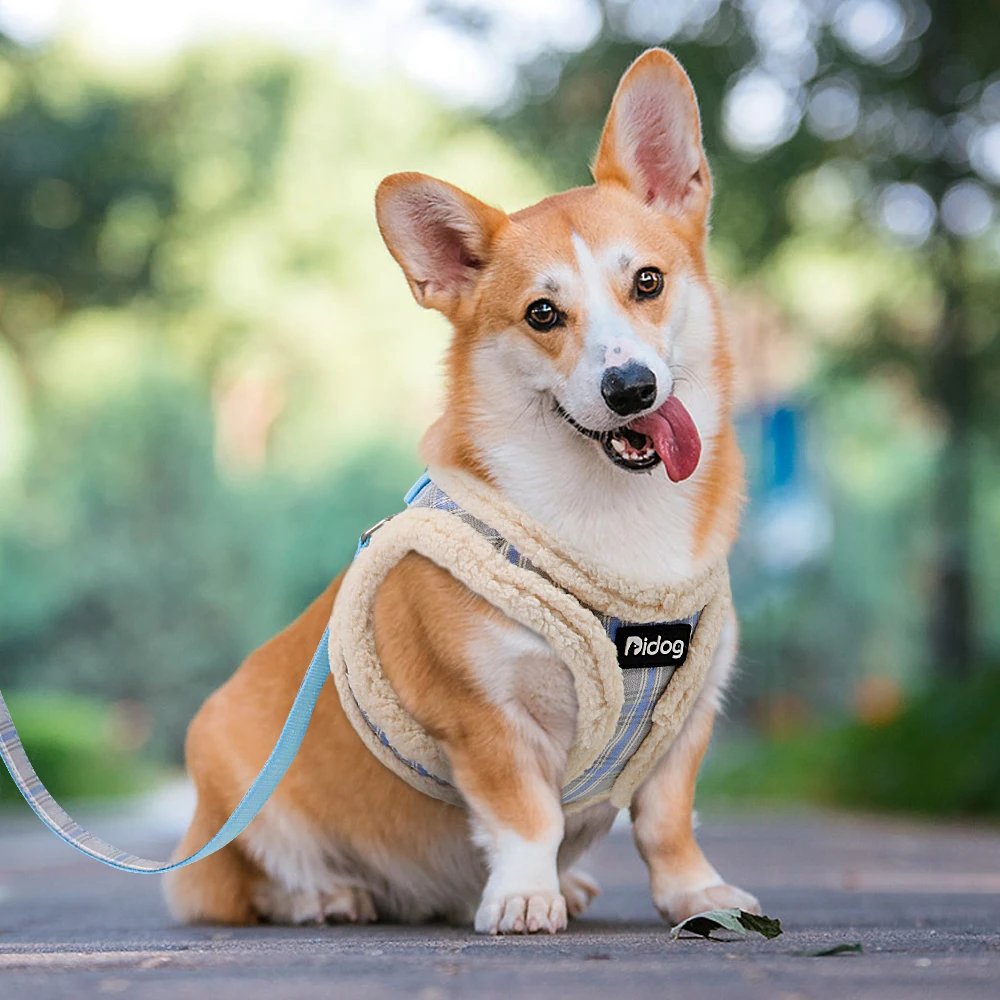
65, 827
292, 733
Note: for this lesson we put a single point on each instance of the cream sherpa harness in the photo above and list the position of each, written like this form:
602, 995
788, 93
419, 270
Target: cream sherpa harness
639, 657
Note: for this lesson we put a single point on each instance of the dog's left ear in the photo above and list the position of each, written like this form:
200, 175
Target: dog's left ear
651, 142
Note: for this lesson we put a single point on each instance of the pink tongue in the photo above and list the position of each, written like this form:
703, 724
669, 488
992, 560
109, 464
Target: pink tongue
675, 438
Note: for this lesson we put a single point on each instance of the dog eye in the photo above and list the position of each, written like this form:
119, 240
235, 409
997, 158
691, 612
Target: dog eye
542, 315
648, 283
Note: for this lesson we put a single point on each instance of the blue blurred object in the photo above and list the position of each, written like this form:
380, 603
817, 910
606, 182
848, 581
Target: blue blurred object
780, 434
789, 523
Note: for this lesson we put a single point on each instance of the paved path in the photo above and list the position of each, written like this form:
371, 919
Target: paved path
923, 900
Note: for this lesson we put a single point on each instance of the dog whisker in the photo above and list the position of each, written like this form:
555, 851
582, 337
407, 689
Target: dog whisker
527, 406
691, 376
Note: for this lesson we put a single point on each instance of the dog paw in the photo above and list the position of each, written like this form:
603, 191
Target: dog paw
347, 905
678, 906
579, 889
339, 904
541, 912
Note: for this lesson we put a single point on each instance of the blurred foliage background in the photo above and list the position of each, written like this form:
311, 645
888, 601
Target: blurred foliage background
212, 377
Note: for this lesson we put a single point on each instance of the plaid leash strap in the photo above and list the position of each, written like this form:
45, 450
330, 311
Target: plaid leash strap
66, 828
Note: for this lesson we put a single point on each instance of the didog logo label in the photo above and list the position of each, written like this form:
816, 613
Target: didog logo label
653, 645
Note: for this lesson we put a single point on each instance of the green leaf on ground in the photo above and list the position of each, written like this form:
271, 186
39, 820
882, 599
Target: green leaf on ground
758, 923
739, 921
844, 948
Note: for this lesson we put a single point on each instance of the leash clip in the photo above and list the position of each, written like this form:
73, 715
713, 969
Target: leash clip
367, 534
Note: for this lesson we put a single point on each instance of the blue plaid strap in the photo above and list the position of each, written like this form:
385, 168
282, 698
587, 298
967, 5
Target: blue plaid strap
65, 827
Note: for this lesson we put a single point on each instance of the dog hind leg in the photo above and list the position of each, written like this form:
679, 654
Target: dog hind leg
302, 883
217, 889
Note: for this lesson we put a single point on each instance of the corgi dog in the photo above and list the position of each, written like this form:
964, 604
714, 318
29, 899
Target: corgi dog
589, 380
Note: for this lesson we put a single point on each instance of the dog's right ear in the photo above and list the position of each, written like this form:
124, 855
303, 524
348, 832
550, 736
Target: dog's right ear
440, 236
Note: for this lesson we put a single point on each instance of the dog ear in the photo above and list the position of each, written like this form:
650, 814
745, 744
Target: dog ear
440, 236
651, 142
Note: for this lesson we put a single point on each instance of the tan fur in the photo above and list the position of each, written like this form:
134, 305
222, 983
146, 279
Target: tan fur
721, 496
229, 741
343, 837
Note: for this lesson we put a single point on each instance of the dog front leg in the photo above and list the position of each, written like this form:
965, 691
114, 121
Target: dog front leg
517, 820
503, 707
682, 880
507, 760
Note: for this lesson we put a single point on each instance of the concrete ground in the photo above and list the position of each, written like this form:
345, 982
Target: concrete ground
923, 900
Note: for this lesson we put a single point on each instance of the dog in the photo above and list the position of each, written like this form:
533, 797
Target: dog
589, 380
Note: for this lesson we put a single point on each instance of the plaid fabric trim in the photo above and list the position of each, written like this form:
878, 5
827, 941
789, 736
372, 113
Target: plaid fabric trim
430, 495
643, 685
643, 688
384, 740
50, 812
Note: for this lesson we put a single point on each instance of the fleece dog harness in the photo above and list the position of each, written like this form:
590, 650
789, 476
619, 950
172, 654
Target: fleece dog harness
628, 715
596, 623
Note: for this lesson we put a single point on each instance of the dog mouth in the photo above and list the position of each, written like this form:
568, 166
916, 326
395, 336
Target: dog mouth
667, 435
626, 448
630, 450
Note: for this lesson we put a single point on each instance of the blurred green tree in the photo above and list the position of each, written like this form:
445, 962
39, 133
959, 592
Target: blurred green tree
140, 576
188, 262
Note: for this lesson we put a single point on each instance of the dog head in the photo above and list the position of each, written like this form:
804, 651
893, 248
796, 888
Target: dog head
588, 311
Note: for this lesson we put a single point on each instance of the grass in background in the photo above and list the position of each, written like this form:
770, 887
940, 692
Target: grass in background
939, 756
79, 747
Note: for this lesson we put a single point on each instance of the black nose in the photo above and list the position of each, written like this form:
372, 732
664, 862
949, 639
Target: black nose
628, 389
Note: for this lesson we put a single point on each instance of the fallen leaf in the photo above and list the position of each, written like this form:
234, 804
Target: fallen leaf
738, 921
758, 923
844, 948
